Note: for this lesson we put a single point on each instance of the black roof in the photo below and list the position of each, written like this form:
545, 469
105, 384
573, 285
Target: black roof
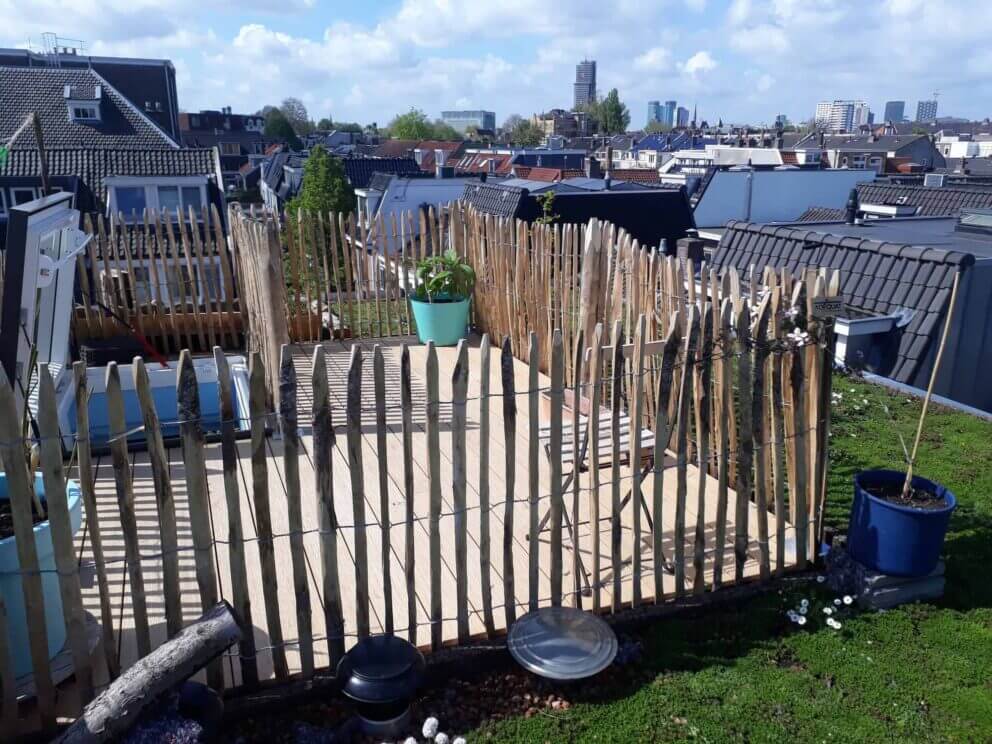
93, 165
822, 214
24, 90
931, 201
865, 142
359, 171
150, 84
492, 198
876, 277
649, 215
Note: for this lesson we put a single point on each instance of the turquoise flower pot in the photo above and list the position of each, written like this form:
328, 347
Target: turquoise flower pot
10, 582
443, 321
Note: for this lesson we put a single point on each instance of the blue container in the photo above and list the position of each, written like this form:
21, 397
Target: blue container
894, 539
10, 581
442, 321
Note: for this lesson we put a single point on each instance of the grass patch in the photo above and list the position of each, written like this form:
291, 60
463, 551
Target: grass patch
917, 673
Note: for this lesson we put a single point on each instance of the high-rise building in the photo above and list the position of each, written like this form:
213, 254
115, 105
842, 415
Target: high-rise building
895, 111
585, 83
926, 111
462, 120
841, 116
668, 113
654, 112
781, 121
681, 117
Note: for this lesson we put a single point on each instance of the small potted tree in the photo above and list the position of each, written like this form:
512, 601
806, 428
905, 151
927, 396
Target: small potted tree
899, 520
440, 304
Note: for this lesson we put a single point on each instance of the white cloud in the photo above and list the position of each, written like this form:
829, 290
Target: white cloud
655, 59
520, 56
761, 39
699, 62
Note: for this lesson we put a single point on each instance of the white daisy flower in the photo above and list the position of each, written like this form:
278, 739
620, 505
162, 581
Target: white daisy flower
429, 729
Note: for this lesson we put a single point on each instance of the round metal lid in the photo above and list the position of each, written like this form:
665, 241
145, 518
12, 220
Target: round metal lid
562, 643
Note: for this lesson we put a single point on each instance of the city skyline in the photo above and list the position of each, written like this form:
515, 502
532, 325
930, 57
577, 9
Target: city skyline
739, 60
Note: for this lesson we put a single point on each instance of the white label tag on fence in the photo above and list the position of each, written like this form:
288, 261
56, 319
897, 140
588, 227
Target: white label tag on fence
827, 307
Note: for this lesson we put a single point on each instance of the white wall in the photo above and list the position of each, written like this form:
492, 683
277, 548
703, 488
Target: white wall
774, 196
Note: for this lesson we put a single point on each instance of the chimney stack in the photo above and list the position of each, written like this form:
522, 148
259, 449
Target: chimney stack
851, 213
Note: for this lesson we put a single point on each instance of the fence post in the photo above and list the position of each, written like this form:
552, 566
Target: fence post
681, 446
235, 531
125, 504
263, 516
485, 538
459, 386
288, 422
662, 434
510, 470
724, 412
191, 433
163, 495
354, 411
409, 562
701, 388
61, 534
434, 482
382, 460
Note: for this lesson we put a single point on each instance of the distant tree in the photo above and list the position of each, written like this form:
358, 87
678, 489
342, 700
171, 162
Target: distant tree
296, 113
614, 118
348, 126
413, 125
325, 188
657, 127
326, 124
527, 134
444, 132
277, 126
511, 123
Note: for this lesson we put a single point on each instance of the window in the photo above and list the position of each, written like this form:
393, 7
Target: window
130, 199
230, 148
168, 198
23, 196
192, 197
85, 113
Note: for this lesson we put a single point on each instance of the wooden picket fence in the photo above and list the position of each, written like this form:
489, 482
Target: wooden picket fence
706, 399
167, 277
705, 373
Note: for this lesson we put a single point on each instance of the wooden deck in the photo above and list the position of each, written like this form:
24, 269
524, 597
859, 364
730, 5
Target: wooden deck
338, 355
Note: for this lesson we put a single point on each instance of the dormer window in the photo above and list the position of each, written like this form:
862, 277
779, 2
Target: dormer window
83, 102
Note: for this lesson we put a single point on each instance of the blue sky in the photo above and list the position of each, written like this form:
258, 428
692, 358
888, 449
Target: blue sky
742, 60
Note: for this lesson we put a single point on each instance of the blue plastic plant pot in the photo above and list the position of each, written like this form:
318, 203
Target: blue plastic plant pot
442, 321
895, 539
10, 580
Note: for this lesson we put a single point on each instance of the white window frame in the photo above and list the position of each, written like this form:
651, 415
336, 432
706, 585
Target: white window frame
151, 186
84, 112
162, 291
35, 193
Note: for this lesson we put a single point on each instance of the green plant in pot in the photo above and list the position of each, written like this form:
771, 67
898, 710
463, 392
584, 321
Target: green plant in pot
440, 304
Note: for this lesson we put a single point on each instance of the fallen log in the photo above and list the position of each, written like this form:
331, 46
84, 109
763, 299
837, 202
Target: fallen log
114, 711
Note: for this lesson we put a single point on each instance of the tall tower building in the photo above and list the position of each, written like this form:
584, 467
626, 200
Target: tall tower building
585, 83
669, 112
926, 111
895, 111
654, 112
